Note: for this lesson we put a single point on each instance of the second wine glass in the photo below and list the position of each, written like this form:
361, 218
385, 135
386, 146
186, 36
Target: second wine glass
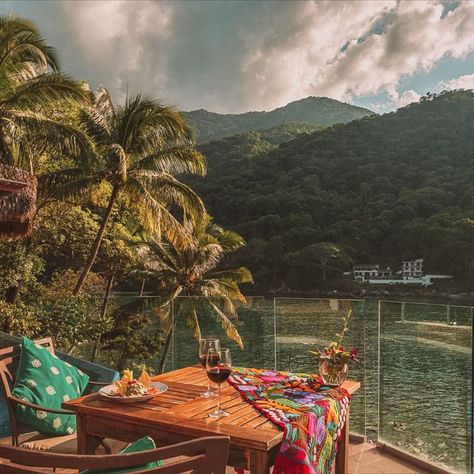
205, 344
218, 368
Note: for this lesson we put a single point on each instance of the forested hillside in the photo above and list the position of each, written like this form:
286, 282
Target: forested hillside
320, 111
382, 188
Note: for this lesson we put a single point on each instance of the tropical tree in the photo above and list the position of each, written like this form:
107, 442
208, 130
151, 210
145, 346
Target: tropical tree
194, 286
326, 253
139, 149
31, 87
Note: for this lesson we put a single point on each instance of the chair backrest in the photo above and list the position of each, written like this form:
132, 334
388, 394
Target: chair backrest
9, 358
203, 456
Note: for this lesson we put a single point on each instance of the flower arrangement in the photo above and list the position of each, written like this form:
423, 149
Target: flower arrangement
333, 359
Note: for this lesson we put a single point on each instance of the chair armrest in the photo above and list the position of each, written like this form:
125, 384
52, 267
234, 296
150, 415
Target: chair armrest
38, 407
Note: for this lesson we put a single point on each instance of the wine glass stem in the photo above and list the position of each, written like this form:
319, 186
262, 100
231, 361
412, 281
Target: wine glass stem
209, 387
219, 397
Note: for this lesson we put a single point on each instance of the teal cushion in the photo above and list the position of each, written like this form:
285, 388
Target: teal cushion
45, 380
143, 444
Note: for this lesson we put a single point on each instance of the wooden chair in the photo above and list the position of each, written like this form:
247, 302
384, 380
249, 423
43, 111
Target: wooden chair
9, 358
203, 456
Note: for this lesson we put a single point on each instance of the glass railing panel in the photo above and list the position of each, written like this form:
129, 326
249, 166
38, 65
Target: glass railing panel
304, 324
135, 333
254, 324
425, 405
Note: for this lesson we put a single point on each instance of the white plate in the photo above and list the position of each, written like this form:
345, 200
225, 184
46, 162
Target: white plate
109, 390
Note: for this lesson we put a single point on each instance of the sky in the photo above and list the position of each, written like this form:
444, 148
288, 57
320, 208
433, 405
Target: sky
235, 56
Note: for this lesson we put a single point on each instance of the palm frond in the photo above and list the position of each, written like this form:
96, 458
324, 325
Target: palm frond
237, 275
169, 190
66, 184
43, 134
22, 46
41, 92
227, 325
174, 160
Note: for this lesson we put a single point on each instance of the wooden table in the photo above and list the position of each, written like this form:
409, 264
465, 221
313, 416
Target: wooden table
180, 414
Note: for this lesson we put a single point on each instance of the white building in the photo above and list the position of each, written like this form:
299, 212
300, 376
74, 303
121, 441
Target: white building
411, 273
412, 269
364, 272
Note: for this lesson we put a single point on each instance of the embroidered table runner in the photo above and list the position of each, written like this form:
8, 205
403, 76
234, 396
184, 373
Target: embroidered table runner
312, 416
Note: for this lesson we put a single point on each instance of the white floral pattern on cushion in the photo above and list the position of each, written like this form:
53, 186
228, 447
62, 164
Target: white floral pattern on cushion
47, 382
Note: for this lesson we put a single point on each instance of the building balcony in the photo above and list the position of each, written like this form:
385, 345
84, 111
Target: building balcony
414, 410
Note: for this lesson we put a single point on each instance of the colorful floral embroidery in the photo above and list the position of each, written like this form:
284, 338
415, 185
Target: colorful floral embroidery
311, 415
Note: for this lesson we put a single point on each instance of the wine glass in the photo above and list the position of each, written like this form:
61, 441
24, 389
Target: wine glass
205, 344
218, 368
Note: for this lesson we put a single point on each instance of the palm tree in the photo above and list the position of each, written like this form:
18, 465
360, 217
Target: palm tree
139, 148
194, 284
31, 87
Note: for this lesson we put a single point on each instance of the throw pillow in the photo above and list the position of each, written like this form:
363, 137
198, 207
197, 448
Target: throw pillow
45, 380
143, 444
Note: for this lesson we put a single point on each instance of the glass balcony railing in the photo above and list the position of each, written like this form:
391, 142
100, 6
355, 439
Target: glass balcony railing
415, 367
425, 381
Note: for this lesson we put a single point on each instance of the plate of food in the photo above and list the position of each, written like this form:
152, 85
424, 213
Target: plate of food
129, 389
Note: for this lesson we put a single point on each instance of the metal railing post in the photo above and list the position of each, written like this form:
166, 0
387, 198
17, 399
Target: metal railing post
379, 365
275, 333
172, 334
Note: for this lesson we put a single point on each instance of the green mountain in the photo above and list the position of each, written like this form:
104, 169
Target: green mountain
383, 188
320, 111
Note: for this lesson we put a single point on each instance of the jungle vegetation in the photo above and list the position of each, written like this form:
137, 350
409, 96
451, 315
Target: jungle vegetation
382, 188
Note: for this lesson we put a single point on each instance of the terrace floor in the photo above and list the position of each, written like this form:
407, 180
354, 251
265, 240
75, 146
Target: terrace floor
366, 458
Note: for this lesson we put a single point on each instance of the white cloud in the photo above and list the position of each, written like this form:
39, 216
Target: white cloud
401, 100
462, 82
415, 41
238, 56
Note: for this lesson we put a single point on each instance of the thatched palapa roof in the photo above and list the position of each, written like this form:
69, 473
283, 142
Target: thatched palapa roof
17, 202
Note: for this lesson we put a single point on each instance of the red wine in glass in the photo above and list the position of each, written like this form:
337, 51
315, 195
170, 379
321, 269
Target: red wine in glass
218, 368
203, 358
205, 344
218, 374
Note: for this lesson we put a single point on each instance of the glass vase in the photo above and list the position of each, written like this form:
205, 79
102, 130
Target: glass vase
332, 372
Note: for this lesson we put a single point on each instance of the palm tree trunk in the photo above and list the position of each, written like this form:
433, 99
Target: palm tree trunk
98, 240
11, 294
142, 289
166, 348
108, 290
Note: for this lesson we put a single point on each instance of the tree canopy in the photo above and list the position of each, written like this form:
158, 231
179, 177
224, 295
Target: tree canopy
382, 188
